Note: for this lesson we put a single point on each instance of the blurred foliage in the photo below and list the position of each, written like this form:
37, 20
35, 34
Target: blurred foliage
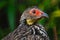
10, 12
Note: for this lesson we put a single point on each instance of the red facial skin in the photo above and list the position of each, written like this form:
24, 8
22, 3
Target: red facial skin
37, 12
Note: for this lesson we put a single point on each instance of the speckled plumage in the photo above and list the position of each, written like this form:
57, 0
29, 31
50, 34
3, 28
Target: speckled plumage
23, 32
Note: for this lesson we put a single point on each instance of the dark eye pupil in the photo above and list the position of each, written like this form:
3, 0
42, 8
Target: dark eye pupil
33, 12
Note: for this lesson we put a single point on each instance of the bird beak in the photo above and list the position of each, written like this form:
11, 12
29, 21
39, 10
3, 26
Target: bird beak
45, 15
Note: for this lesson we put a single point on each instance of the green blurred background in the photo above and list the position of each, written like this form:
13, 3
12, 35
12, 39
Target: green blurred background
11, 10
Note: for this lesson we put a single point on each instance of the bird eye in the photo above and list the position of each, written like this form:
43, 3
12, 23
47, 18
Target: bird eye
33, 11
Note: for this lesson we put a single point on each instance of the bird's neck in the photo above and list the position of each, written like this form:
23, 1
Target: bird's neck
24, 22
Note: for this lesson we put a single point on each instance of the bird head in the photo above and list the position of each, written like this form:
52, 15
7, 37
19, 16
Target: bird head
32, 15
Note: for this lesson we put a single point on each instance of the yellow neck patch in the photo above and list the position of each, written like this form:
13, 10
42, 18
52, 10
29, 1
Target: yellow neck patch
30, 21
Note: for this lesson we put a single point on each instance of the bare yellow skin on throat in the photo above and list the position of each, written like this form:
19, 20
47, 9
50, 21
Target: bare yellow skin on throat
30, 21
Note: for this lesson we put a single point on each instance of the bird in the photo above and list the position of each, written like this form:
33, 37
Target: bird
29, 28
